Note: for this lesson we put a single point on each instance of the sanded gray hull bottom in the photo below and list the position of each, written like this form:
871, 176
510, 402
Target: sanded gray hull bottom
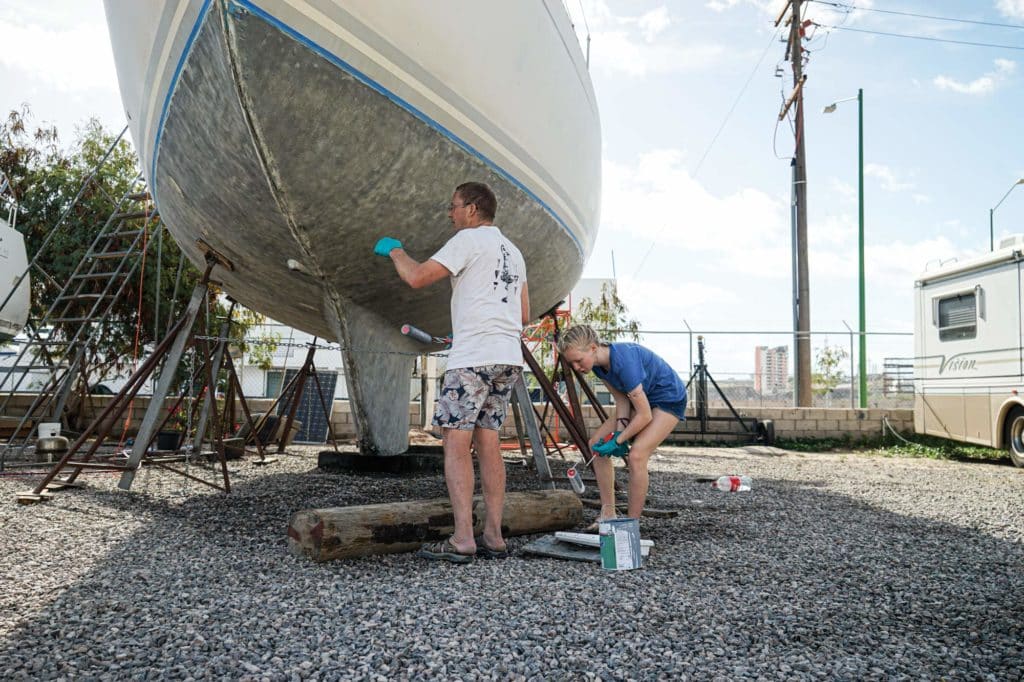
270, 152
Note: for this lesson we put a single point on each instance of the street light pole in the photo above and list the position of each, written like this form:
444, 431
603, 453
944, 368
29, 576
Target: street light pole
860, 252
991, 211
863, 345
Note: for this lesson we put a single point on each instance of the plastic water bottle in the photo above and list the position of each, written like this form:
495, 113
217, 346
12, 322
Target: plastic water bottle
576, 480
732, 484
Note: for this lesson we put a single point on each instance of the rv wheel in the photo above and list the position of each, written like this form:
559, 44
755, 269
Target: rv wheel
1015, 436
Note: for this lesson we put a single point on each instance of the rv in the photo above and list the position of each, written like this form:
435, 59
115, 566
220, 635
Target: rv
969, 358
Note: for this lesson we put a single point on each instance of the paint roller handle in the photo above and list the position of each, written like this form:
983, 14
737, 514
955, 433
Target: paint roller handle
418, 334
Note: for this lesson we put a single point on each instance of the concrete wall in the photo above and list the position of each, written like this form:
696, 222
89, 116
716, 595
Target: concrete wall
790, 423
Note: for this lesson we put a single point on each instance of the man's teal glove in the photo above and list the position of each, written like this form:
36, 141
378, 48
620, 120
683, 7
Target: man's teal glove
609, 448
385, 245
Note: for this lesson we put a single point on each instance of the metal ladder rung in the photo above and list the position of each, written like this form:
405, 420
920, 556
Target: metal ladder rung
141, 196
132, 216
123, 233
71, 319
101, 275
109, 254
82, 297
27, 368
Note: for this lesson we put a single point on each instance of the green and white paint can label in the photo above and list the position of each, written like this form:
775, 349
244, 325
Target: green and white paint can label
620, 544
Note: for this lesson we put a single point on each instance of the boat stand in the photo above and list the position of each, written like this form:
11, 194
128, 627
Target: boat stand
289, 399
755, 430
81, 455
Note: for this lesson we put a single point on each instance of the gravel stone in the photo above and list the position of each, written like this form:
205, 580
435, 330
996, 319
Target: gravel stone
835, 566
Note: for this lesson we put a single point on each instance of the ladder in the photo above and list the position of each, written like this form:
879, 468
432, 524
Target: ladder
56, 348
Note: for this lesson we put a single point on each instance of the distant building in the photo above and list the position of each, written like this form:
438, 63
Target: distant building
771, 369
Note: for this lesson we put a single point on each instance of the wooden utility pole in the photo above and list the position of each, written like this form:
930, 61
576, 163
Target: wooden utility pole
802, 379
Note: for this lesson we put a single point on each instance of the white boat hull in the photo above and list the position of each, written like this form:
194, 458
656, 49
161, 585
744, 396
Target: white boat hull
286, 130
14, 303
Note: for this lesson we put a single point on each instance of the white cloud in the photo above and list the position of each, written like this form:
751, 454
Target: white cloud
653, 23
767, 6
898, 263
984, 84
820, 13
837, 230
890, 182
72, 59
619, 51
844, 189
637, 45
1011, 8
657, 202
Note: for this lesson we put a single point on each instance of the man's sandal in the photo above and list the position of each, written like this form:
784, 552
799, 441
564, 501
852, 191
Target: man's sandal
485, 552
444, 551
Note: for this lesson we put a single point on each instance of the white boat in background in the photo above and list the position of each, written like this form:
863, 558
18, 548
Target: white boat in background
14, 302
304, 130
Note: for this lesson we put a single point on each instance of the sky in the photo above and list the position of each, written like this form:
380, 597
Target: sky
695, 220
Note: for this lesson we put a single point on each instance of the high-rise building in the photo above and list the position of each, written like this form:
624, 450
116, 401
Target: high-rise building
771, 369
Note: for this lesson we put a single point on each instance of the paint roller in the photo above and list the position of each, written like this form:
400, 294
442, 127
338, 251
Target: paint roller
417, 334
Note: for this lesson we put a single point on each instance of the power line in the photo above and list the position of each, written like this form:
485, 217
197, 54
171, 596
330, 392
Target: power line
928, 38
711, 144
918, 16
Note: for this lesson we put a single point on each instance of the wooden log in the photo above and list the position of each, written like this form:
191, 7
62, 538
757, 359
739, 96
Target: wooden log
344, 532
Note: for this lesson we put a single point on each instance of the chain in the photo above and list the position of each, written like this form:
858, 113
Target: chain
887, 425
318, 346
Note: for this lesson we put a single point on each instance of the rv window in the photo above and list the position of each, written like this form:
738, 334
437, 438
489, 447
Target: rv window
958, 317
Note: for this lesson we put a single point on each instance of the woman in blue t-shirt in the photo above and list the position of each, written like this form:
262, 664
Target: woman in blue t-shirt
650, 399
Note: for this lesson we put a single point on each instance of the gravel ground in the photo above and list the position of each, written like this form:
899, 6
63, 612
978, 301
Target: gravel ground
834, 566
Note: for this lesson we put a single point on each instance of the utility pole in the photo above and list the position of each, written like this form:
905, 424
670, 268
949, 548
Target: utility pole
802, 379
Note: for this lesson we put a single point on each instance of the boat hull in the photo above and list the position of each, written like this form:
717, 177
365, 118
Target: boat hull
293, 135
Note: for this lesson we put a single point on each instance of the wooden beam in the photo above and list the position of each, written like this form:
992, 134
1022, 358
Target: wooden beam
344, 532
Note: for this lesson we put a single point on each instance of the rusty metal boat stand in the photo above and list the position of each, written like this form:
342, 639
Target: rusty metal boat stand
82, 453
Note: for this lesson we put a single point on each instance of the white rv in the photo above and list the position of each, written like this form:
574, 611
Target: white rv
969, 357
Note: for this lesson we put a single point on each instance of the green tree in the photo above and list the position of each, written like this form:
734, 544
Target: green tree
608, 315
46, 177
827, 361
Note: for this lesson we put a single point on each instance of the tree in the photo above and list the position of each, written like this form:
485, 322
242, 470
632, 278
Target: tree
608, 316
46, 177
828, 375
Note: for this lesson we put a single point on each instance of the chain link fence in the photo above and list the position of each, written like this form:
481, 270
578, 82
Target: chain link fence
750, 368
755, 368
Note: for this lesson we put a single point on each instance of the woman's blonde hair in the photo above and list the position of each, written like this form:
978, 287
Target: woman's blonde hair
580, 336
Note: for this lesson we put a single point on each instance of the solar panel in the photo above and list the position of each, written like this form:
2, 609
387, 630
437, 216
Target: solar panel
310, 411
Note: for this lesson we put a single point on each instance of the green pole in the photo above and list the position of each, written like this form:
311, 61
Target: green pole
860, 246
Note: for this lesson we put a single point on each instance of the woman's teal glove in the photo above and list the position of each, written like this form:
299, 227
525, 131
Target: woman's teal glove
385, 245
609, 448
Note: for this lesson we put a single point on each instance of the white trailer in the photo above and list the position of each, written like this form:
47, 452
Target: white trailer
969, 357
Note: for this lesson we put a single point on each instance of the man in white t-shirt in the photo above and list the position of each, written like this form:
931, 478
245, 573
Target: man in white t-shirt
490, 305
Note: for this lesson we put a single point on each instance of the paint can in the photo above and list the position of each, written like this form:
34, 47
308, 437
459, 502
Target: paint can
620, 544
